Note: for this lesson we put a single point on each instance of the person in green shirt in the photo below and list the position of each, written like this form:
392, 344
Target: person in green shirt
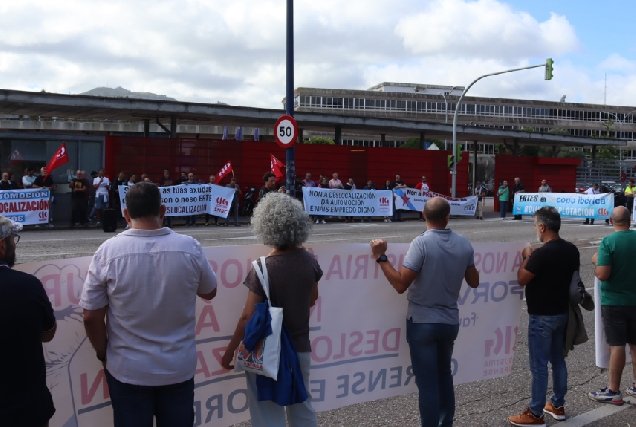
614, 268
504, 195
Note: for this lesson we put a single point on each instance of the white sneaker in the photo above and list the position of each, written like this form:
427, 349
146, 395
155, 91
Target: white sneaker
324, 222
317, 221
49, 225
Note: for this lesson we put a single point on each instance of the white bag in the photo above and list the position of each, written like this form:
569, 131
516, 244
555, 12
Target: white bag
265, 358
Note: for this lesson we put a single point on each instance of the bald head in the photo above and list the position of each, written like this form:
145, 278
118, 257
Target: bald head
620, 217
436, 211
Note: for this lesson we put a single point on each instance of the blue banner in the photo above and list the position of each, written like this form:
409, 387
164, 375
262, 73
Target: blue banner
569, 205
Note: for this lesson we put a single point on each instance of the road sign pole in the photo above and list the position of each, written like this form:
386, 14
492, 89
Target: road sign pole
290, 153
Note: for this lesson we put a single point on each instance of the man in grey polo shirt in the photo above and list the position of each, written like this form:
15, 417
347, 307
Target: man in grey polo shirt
146, 280
434, 268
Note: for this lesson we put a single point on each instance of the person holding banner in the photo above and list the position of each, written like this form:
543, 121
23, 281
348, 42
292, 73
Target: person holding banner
592, 190
45, 180
614, 268
139, 301
281, 222
27, 320
436, 264
546, 273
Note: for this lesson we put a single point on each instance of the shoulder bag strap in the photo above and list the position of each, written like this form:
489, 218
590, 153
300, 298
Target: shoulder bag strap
263, 277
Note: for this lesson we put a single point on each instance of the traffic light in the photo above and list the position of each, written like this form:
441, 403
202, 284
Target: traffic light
458, 156
548, 68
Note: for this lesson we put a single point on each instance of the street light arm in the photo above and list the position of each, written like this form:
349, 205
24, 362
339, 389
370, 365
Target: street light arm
459, 103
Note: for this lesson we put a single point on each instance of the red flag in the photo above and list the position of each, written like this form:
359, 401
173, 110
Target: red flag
59, 158
276, 165
224, 171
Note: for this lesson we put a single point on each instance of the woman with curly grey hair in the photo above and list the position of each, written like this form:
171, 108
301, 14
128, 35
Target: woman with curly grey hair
281, 222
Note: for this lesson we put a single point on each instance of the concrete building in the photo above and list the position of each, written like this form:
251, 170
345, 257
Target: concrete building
436, 104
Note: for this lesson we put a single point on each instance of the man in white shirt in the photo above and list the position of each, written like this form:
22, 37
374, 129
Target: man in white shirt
592, 190
139, 302
101, 184
334, 182
28, 179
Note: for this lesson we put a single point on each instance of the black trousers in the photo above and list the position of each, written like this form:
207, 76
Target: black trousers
79, 208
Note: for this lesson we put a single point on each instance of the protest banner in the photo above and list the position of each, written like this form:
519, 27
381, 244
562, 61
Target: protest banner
28, 207
569, 205
410, 199
191, 199
357, 330
328, 201
602, 350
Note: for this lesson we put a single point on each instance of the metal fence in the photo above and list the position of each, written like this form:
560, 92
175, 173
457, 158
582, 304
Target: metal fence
611, 173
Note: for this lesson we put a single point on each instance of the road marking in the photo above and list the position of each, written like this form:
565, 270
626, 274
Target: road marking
594, 415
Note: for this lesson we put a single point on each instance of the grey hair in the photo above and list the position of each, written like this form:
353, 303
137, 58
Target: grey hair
549, 217
281, 221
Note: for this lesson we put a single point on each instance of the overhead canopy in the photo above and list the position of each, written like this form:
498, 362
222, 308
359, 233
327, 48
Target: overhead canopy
91, 108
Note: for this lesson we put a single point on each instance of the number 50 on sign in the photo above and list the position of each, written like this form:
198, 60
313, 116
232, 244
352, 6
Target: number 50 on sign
286, 131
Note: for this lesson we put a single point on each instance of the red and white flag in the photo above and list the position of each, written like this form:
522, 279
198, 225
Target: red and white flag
224, 171
59, 158
276, 165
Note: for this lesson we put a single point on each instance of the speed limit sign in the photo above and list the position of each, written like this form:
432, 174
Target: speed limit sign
286, 131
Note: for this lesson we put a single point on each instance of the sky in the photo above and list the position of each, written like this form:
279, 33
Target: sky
234, 51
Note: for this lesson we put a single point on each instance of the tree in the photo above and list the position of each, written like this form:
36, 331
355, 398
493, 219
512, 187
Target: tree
416, 144
319, 140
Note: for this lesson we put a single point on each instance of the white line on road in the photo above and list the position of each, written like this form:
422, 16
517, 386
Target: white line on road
593, 415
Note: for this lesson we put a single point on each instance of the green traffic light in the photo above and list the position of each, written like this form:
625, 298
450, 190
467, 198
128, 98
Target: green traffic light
450, 160
549, 63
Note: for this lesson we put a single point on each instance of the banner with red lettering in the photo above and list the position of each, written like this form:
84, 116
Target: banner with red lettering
357, 330
28, 207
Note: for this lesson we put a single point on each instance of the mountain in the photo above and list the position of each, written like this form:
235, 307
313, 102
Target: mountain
120, 92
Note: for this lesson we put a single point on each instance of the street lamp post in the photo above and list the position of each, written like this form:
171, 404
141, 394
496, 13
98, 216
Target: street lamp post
459, 102
445, 94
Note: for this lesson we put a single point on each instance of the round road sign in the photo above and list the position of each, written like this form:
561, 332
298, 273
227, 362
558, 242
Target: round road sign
286, 131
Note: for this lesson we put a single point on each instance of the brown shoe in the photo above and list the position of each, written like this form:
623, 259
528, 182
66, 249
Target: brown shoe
527, 419
558, 413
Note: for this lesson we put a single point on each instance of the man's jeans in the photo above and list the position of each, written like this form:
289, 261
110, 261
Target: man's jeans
545, 341
431, 347
503, 208
135, 406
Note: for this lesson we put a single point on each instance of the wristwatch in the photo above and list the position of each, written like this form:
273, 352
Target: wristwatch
382, 258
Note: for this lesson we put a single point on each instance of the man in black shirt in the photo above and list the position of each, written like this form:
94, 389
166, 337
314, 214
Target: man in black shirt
79, 199
269, 184
546, 272
398, 183
518, 188
6, 184
28, 320
43, 181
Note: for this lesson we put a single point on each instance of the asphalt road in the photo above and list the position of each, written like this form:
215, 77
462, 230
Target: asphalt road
485, 403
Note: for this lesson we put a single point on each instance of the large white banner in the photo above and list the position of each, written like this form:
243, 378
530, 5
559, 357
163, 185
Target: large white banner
191, 199
602, 349
28, 207
328, 201
357, 330
410, 199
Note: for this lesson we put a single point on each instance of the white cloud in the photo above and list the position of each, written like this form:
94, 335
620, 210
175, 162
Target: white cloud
234, 51
484, 29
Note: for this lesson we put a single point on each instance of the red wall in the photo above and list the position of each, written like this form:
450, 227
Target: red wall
251, 160
559, 173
